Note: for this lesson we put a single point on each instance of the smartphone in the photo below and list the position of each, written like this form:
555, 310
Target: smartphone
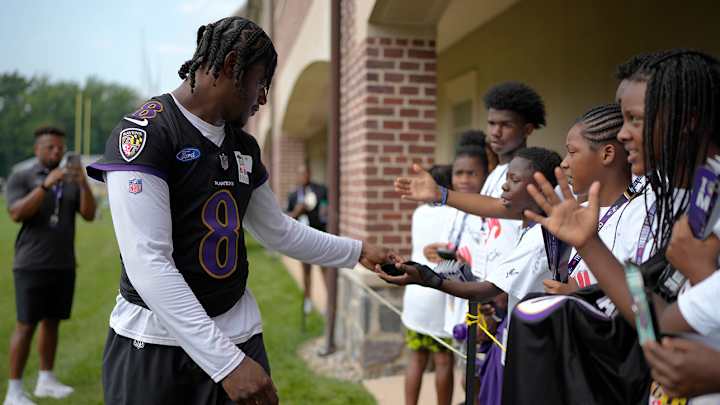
72, 160
645, 319
391, 270
446, 254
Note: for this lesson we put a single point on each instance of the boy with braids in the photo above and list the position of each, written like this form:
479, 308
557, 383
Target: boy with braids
183, 180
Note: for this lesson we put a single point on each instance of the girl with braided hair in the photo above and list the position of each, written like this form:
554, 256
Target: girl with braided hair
184, 180
670, 109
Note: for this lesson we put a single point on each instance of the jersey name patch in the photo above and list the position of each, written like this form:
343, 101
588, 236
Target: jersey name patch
132, 142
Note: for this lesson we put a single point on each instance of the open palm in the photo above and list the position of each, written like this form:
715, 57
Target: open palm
421, 187
566, 218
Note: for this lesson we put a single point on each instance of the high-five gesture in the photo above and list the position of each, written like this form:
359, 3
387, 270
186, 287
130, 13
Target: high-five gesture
421, 187
566, 219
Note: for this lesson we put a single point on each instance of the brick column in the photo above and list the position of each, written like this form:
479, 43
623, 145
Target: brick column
287, 156
387, 123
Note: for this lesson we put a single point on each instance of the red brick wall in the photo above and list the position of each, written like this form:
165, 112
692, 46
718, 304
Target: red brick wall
387, 123
288, 154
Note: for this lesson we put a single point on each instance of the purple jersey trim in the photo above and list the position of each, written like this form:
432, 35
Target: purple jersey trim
517, 312
96, 170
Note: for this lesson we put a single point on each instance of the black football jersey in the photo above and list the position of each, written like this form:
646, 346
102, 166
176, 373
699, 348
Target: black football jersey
210, 188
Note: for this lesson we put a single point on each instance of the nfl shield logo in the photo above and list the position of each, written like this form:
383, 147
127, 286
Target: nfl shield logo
135, 186
224, 163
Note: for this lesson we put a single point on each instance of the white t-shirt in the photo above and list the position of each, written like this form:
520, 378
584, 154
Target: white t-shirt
488, 239
423, 307
620, 234
523, 268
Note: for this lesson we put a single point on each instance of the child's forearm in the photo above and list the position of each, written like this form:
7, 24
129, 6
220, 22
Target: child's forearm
475, 291
480, 205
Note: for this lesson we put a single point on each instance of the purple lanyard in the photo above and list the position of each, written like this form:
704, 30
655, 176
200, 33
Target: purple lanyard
460, 231
608, 214
644, 235
627, 196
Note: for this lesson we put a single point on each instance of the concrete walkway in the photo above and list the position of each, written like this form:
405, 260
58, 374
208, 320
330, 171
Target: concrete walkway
390, 390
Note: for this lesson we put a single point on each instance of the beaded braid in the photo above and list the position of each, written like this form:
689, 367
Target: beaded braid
216, 40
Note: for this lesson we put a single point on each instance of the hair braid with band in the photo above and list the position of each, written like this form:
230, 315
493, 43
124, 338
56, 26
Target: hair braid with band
232, 34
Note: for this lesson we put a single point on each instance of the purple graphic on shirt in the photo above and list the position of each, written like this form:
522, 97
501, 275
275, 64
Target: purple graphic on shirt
149, 110
218, 248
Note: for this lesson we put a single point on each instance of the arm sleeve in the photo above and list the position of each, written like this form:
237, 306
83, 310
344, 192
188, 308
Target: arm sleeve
16, 188
143, 228
700, 306
275, 230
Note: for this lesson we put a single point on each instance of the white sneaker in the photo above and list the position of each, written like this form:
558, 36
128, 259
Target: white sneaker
52, 389
307, 306
18, 398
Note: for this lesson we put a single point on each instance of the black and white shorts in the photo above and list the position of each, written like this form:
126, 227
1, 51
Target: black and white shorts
142, 373
43, 294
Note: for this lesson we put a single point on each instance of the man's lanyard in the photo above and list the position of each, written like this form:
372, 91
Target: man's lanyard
57, 190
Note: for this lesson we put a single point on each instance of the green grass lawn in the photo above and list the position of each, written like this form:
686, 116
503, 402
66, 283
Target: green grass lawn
82, 338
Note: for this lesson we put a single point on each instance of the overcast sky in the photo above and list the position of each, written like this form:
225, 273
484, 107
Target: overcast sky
139, 43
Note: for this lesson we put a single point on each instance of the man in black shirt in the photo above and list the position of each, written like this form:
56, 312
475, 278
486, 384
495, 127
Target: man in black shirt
308, 204
44, 198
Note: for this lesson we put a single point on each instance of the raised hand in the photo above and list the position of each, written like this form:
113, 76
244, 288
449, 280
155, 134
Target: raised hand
566, 219
421, 187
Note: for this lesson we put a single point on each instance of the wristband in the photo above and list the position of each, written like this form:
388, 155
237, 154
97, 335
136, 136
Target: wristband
42, 186
443, 197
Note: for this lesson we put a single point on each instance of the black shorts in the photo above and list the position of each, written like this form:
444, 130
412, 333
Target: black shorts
43, 294
142, 373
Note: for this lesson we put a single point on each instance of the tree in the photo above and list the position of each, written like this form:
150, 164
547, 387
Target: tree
28, 103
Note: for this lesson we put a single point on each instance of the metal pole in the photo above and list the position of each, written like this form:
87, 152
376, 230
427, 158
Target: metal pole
86, 127
333, 169
471, 350
78, 123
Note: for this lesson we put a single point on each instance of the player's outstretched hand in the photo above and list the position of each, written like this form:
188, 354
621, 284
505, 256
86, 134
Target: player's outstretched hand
566, 218
421, 187
684, 368
372, 255
250, 384
683, 245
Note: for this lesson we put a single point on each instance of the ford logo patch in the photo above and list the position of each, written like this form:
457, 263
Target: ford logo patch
188, 154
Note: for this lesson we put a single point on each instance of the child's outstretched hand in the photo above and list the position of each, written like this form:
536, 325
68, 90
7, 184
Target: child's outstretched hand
566, 219
421, 187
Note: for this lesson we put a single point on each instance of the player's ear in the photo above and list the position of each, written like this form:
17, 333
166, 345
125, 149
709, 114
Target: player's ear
229, 64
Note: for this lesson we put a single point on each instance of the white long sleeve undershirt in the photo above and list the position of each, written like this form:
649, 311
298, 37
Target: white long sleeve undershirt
143, 228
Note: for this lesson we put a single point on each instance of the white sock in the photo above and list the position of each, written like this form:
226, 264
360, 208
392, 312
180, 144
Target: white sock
14, 386
46, 376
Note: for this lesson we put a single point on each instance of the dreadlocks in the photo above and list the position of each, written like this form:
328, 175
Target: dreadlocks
682, 104
216, 40
601, 124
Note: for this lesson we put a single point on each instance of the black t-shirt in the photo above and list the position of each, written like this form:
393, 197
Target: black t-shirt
298, 196
210, 188
46, 240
